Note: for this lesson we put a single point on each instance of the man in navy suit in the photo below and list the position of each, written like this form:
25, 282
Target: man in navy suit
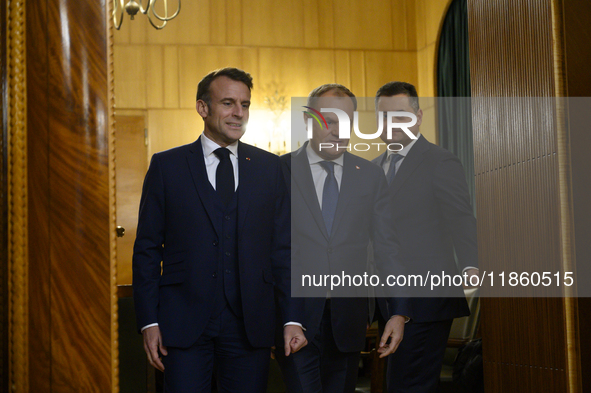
339, 203
212, 252
432, 217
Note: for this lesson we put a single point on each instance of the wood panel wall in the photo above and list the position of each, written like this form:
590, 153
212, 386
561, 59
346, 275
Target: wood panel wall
70, 225
293, 45
524, 191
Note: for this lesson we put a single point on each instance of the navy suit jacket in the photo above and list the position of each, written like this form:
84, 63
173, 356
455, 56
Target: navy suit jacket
362, 214
433, 217
178, 227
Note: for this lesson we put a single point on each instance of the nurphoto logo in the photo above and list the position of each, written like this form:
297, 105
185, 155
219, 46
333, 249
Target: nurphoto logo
345, 127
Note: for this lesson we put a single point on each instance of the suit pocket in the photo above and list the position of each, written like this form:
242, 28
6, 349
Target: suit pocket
173, 270
174, 258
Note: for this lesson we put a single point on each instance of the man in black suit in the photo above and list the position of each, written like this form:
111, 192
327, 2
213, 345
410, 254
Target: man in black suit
339, 202
216, 214
432, 217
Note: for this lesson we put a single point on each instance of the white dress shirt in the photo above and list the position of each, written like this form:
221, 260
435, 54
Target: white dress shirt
212, 161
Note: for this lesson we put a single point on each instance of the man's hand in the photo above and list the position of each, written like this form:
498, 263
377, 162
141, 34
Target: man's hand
469, 273
153, 343
394, 330
294, 339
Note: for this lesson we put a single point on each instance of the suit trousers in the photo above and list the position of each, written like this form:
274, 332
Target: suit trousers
416, 365
240, 368
320, 367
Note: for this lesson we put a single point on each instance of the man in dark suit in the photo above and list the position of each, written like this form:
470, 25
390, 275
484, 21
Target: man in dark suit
339, 202
432, 217
216, 214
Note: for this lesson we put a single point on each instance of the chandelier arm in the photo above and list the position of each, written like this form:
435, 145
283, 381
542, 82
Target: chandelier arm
166, 17
116, 23
145, 10
155, 25
119, 8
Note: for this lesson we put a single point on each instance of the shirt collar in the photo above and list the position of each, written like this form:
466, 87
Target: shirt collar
210, 146
314, 158
406, 149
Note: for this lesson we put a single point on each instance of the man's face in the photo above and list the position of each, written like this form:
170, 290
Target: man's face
226, 116
329, 138
398, 103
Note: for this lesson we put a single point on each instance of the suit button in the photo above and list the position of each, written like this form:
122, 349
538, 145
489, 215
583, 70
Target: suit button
227, 271
214, 275
228, 237
215, 243
329, 250
227, 253
227, 218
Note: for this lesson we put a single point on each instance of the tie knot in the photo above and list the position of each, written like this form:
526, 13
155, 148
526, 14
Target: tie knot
328, 166
394, 158
222, 153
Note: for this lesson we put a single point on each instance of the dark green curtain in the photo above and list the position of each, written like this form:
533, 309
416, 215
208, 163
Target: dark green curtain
453, 80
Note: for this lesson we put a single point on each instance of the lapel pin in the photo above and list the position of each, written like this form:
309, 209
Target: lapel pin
357, 167
247, 158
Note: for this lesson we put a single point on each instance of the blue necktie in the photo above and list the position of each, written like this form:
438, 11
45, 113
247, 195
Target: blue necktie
392, 169
330, 195
224, 176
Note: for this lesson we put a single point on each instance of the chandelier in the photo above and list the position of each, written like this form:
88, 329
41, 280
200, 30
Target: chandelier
133, 7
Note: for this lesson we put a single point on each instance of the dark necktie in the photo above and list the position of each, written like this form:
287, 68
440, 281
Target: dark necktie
224, 176
392, 169
330, 195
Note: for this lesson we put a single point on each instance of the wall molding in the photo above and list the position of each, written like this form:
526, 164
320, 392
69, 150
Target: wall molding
112, 201
567, 231
17, 197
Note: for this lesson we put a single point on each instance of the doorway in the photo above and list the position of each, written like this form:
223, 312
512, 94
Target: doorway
132, 163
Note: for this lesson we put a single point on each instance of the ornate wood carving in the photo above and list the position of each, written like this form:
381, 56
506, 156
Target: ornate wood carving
112, 202
17, 197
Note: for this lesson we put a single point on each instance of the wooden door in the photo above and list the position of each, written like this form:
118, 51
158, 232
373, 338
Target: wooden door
131, 167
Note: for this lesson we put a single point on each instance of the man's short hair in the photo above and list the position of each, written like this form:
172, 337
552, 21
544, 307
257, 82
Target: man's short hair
394, 88
235, 74
339, 90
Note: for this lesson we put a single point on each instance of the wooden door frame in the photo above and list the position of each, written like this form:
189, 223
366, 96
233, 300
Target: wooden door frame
14, 278
15, 330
